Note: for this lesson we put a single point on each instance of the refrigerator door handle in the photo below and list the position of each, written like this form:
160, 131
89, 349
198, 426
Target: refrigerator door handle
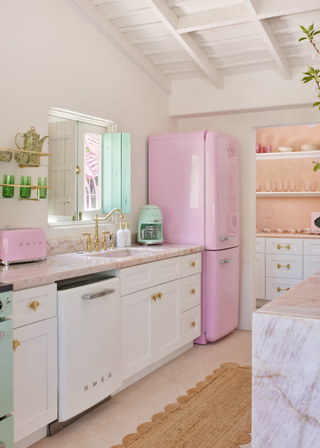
226, 260
225, 238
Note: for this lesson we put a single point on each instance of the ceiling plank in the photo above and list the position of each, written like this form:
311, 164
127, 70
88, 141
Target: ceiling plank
213, 19
169, 18
269, 38
112, 33
276, 8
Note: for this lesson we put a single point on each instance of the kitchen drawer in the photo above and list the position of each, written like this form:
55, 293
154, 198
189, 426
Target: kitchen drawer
311, 265
43, 300
285, 266
167, 270
191, 264
260, 245
285, 246
311, 247
273, 284
191, 292
191, 324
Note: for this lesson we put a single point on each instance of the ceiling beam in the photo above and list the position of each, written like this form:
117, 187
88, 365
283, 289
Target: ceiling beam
188, 42
277, 8
112, 33
269, 38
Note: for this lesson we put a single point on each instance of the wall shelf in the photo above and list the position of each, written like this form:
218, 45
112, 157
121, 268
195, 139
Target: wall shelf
22, 151
32, 187
287, 194
288, 155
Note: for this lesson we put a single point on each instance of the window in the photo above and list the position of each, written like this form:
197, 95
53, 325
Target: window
89, 169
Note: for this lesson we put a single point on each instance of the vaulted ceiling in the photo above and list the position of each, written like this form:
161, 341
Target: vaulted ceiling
181, 39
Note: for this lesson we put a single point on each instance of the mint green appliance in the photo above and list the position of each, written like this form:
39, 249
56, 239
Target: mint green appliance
150, 225
6, 367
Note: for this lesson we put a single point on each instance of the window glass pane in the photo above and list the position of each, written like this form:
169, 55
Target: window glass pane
92, 147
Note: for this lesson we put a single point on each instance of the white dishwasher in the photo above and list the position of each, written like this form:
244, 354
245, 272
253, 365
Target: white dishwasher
89, 342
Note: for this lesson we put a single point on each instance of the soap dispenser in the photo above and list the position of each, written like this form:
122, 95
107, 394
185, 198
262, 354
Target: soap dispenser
121, 237
127, 233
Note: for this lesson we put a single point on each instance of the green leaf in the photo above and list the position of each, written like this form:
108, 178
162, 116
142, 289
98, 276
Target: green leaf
316, 104
311, 27
303, 28
302, 38
316, 32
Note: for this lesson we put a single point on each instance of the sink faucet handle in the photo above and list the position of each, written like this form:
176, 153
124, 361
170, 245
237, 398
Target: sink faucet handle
111, 240
104, 240
88, 234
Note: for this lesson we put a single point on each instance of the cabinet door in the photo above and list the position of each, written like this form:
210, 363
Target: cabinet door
138, 315
311, 265
260, 276
275, 286
284, 266
168, 319
34, 377
260, 245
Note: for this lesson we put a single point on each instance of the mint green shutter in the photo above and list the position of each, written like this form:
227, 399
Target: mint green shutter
126, 172
107, 173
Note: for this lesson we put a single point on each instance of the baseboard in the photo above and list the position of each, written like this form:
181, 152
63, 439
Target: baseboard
245, 326
139, 375
32, 438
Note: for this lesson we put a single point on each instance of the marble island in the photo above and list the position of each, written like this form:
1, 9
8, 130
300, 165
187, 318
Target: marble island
69, 265
286, 369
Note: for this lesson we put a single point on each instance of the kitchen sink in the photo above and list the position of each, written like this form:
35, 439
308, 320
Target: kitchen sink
115, 254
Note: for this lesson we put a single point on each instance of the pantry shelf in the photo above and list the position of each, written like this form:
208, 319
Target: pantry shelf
287, 194
288, 155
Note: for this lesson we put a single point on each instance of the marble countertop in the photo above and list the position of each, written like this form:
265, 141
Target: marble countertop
287, 235
60, 267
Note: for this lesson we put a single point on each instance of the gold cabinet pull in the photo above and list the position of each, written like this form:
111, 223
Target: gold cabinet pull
279, 289
154, 297
193, 324
78, 170
283, 246
193, 264
283, 266
160, 295
15, 345
193, 291
34, 305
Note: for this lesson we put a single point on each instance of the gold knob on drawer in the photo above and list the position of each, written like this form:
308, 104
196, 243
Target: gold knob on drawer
279, 289
193, 324
193, 291
283, 266
284, 247
34, 305
160, 295
193, 264
154, 297
15, 345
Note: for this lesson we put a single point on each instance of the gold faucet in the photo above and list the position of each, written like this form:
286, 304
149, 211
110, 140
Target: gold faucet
96, 232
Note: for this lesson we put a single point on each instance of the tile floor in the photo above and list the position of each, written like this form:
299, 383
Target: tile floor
108, 424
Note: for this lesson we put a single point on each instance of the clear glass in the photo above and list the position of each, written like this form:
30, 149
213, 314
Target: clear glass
279, 185
298, 185
307, 185
8, 192
291, 185
25, 193
273, 185
285, 185
92, 148
258, 186
42, 182
313, 185
267, 185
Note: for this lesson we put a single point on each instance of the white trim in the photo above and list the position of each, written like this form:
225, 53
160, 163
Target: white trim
288, 194
76, 116
288, 155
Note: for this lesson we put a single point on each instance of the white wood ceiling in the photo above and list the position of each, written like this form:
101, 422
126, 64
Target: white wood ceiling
214, 38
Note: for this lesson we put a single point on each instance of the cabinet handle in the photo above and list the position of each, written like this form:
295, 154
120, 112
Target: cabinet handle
15, 345
98, 294
154, 297
284, 247
279, 289
193, 264
34, 305
160, 295
283, 266
193, 291
193, 324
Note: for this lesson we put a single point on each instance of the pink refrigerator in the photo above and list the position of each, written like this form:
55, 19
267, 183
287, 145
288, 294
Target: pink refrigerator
194, 179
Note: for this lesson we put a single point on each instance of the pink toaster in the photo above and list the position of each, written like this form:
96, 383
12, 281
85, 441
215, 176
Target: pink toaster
21, 245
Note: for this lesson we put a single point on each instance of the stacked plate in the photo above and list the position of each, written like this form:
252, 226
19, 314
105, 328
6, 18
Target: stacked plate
286, 148
310, 148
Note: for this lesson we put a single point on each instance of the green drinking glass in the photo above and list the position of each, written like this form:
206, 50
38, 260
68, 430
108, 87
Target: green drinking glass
25, 193
42, 182
8, 192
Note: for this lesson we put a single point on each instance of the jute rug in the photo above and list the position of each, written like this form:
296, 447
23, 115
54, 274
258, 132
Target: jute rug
215, 414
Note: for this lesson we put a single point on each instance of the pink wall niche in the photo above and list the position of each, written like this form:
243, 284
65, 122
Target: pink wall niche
295, 136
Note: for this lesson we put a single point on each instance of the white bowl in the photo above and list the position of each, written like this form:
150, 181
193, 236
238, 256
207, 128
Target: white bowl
310, 148
286, 148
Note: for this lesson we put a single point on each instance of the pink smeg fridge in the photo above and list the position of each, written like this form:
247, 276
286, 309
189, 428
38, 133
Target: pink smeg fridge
194, 179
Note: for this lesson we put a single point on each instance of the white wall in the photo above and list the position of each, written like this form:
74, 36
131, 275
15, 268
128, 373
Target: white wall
52, 57
242, 126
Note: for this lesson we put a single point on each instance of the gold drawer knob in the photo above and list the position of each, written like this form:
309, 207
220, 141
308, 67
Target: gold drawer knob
34, 305
283, 266
283, 246
193, 291
154, 297
15, 345
279, 289
193, 264
160, 295
193, 324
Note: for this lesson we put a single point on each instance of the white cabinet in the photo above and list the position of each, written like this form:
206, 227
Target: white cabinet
311, 265
34, 359
285, 266
275, 287
35, 377
260, 276
191, 324
191, 292
286, 246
